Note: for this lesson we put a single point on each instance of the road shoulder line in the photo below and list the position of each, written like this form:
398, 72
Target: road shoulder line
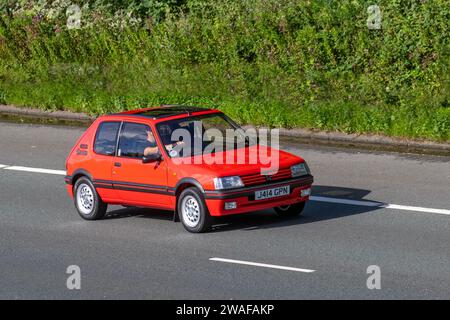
380, 205
33, 170
263, 265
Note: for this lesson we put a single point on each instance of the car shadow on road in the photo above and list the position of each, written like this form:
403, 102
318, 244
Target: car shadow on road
131, 212
314, 211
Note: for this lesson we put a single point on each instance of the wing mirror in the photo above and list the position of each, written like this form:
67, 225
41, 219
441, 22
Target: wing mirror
154, 157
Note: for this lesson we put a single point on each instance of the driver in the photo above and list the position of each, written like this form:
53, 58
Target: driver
152, 148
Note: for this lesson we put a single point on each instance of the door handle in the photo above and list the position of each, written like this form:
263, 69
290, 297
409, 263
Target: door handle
117, 164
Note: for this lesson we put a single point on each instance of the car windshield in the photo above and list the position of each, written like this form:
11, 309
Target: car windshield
200, 134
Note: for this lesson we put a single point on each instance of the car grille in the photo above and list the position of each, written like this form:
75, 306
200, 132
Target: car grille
256, 179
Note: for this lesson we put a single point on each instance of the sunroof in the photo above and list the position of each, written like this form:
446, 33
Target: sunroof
166, 111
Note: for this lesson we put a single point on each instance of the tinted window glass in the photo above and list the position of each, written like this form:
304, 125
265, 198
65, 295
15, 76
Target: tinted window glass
135, 139
199, 127
105, 142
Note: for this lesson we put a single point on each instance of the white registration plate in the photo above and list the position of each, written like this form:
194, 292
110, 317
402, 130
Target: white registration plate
272, 193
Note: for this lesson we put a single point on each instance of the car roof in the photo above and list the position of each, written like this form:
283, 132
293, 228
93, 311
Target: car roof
164, 111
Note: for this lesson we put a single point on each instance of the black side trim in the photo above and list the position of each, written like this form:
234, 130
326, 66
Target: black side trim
103, 186
143, 190
249, 191
130, 186
103, 181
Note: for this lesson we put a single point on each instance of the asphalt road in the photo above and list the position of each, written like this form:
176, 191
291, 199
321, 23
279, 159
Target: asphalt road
142, 254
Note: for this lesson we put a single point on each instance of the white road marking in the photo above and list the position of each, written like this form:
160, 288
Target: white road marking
312, 198
36, 170
346, 201
418, 209
380, 205
263, 265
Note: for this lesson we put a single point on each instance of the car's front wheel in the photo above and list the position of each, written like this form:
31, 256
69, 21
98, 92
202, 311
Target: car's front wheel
290, 210
194, 214
87, 201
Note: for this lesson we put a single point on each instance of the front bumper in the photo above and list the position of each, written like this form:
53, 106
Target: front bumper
245, 197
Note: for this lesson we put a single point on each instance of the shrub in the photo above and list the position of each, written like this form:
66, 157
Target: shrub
289, 63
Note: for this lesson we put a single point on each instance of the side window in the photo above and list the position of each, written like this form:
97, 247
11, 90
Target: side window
136, 140
105, 140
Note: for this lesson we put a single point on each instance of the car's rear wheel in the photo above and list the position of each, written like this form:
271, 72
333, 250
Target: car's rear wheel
290, 210
194, 214
87, 201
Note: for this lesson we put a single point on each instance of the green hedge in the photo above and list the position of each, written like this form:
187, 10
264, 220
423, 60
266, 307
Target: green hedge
279, 63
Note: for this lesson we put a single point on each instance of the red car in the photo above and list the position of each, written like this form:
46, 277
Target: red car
135, 158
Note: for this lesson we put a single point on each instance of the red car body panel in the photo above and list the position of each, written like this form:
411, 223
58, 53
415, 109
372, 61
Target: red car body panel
157, 184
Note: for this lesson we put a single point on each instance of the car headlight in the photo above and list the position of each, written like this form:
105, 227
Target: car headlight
228, 183
300, 169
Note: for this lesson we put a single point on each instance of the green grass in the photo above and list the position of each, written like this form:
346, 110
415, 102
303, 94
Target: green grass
308, 64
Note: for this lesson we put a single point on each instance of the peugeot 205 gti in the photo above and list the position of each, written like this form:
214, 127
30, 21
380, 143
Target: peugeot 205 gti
182, 159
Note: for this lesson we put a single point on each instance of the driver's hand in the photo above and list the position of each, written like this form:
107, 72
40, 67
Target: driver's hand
171, 146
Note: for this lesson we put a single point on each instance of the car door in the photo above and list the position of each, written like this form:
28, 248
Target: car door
136, 182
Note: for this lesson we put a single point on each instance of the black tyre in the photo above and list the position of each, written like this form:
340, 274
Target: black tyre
192, 210
87, 201
290, 210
